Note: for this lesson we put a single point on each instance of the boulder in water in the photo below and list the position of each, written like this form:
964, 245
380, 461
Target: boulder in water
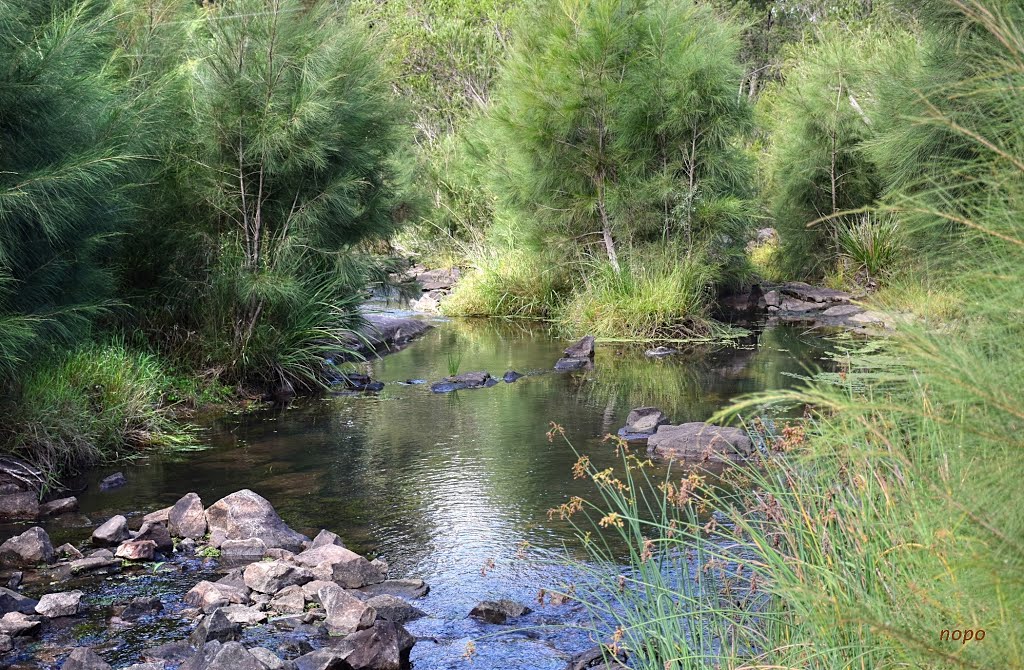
245, 514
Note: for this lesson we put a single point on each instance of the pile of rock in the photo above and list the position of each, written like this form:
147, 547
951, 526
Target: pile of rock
580, 356
435, 286
346, 600
798, 302
473, 380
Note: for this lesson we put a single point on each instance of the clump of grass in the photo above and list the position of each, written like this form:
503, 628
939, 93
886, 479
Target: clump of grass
454, 362
511, 283
101, 403
872, 244
661, 298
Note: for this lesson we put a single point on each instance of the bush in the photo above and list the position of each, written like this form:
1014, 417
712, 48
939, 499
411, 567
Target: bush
509, 282
654, 297
99, 404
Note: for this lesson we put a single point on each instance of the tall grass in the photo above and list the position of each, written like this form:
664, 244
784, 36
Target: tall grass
101, 403
656, 297
508, 282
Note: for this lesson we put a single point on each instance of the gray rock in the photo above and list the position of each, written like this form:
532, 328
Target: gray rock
325, 537
68, 551
392, 608
159, 516
583, 348
500, 611
772, 299
338, 564
229, 656
187, 517
816, 294
289, 600
842, 310
113, 532
311, 590
59, 506
245, 616
384, 646
645, 420
16, 623
243, 515
6, 644
466, 380
272, 576
53, 605
511, 376
345, 613
699, 441
145, 666
94, 564
19, 506
30, 548
157, 533
171, 652
270, 660
12, 601
324, 659
793, 306
208, 596
215, 627
252, 549
84, 658
15, 579
114, 481
409, 589
136, 550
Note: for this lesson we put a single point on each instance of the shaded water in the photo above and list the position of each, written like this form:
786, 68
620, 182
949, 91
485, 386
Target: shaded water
441, 485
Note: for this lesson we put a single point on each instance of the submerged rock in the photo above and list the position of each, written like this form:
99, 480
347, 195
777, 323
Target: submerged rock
30, 548
511, 376
700, 441
139, 607
466, 380
243, 515
571, 364
114, 481
597, 658
500, 611
187, 517
660, 352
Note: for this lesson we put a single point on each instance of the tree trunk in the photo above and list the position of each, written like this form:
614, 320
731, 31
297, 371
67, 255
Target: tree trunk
606, 226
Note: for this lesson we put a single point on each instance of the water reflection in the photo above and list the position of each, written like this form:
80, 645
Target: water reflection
440, 485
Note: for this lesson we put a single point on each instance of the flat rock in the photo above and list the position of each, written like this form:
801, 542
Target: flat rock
466, 380
340, 565
113, 532
159, 516
345, 613
53, 605
243, 615
700, 441
84, 658
842, 311
498, 611
30, 548
93, 564
59, 506
245, 514
793, 306
645, 420
272, 576
136, 550
393, 608
114, 481
16, 623
229, 655
252, 549
12, 601
410, 589
187, 517
807, 293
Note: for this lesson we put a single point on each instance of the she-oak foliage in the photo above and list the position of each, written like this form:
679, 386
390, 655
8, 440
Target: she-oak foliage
618, 121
